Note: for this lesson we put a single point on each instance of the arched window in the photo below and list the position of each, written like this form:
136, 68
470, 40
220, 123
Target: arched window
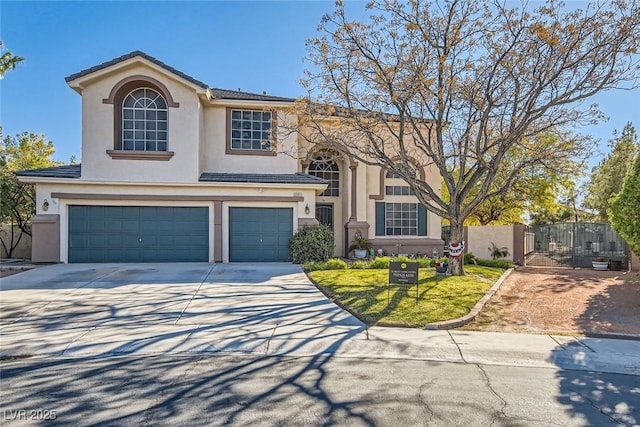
325, 167
397, 186
144, 121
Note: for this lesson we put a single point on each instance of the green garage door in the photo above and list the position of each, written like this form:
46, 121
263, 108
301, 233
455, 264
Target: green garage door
260, 234
138, 234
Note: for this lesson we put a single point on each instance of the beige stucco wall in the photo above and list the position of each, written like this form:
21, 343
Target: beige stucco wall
480, 238
98, 134
215, 159
23, 248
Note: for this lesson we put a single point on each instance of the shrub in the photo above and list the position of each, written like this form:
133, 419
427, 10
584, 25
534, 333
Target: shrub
381, 262
335, 264
496, 263
359, 265
313, 266
469, 258
425, 262
311, 243
497, 252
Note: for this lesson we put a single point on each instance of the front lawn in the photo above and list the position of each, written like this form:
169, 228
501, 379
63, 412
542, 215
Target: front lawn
364, 293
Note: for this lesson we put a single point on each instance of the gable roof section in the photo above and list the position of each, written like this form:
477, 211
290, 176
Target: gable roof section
282, 178
66, 171
217, 93
133, 55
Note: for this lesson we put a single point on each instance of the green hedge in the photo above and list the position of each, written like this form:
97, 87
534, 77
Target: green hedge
311, 243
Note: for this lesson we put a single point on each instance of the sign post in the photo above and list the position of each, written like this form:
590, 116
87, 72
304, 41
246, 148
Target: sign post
402, 273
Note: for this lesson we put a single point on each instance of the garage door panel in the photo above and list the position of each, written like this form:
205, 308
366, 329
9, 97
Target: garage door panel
138, 234
260, 234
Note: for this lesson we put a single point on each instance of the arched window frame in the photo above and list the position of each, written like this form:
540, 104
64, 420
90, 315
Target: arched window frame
145, 119
117, 96
325, 166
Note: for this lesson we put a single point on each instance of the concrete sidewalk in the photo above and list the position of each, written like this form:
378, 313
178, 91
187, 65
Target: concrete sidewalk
544, 351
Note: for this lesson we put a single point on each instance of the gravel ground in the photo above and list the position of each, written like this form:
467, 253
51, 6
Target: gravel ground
547, 300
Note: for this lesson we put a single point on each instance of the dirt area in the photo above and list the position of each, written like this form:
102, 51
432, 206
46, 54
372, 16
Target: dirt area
4, 272
564, 301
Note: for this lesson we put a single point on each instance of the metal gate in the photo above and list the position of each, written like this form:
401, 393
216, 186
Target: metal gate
575, 244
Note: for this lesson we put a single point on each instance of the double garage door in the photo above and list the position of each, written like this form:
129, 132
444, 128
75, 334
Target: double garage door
174, 234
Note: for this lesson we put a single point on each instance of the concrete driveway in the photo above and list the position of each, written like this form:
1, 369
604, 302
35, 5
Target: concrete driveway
106, 309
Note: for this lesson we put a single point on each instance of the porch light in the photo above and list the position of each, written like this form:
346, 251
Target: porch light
306, 209
45, 205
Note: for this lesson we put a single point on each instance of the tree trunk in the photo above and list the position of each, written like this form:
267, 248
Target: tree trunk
456, 265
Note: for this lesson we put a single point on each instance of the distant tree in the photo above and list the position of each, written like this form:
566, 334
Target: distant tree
8, 61
463, 86
17, 206
624, 210
607, 178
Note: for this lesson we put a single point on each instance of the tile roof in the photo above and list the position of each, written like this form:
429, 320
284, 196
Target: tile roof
236, 94
133, 55
218, 93
282, 178
66, 171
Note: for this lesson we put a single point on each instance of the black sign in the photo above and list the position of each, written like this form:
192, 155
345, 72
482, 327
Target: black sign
403, 273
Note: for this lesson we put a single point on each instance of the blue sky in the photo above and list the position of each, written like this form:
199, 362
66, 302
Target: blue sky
253, 45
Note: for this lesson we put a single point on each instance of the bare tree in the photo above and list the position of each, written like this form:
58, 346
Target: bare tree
465, 87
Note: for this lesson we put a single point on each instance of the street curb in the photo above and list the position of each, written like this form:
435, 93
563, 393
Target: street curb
469, 317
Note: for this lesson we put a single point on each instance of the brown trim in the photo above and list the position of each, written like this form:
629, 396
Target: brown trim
240, 152
354, 191
138, 79
140, 155
175, 198
217, 231
122, 89
383, 174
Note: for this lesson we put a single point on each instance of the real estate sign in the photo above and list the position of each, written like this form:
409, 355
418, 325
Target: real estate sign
402, 273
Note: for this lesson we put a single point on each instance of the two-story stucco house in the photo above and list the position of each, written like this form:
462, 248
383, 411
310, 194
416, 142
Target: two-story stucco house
174, 170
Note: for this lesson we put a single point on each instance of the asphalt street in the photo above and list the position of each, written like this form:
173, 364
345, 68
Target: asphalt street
246, 390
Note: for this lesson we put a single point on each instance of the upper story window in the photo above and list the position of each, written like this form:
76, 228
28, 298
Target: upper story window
325, 167
141, 119
250, 131
398, 186
144, 121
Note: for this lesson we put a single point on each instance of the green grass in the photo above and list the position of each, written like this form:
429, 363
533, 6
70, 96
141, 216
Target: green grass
364, 293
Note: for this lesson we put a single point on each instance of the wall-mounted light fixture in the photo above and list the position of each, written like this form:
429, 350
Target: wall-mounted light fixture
45, 205
306, 209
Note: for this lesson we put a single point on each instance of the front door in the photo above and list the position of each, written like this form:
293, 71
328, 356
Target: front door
324, 214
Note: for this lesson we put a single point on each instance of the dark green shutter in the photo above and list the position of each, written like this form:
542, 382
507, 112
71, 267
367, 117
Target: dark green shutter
380, 219
422, 220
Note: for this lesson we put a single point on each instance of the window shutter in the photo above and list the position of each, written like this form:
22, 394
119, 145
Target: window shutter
422, 220
380, 219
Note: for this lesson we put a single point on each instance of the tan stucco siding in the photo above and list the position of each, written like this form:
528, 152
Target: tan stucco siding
214, 150
481, 237
98, 134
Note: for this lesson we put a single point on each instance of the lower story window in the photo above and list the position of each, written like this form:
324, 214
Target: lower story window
401, 219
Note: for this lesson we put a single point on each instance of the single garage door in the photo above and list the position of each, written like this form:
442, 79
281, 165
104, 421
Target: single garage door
260, 234
138, 234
